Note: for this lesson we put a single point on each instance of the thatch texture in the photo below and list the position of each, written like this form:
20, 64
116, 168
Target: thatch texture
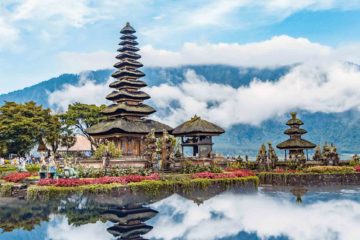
296, 144
122, 126
292, 131
123, 82
197, 126
138, 95
128, 29
118, 109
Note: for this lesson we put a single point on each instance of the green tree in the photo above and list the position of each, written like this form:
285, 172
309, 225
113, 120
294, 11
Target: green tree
22, 125
82, 116
58, 133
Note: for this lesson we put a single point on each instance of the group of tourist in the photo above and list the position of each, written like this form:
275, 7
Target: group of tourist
20, 160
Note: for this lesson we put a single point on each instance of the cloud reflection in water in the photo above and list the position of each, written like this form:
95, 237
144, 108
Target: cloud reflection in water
230, 215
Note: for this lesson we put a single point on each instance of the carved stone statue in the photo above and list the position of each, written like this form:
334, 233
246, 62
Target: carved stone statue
261, 158
317, 155
272, 156
150, 151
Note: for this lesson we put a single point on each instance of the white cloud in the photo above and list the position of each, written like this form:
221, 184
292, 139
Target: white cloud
68, 12
60, 229
86, 91
73, 62
277, 51
259, 214
8, 34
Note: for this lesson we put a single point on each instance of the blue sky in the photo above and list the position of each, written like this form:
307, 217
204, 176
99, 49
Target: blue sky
41, 39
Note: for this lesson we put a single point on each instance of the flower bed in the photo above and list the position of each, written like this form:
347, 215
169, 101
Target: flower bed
73, 182
357, 169
234, 174
17, 176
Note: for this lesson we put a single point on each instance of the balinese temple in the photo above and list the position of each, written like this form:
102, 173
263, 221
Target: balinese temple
295, 145
197, 134
126, 123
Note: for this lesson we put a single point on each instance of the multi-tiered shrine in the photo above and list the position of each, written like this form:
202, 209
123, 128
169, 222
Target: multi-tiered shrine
295, 145
126, 123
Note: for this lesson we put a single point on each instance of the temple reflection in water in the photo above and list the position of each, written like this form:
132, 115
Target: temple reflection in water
129, 221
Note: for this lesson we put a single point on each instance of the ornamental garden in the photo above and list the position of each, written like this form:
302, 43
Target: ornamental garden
118, 149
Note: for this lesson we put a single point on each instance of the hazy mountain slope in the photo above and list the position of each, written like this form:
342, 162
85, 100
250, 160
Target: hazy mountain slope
233, 76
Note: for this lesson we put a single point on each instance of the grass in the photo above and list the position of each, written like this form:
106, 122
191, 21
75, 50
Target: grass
149, 188
5, 189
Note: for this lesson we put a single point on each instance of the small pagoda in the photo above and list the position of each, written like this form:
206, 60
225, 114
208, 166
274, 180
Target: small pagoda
295, 145
197, 134
126, 123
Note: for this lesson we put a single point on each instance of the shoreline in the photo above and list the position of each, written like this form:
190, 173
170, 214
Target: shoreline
154, 189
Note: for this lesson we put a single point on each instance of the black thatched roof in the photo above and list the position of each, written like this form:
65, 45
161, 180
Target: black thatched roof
131, 55
123, 94
197, 126
129, 42
128, 37
128, 29
121, 126
128, 48
292, 131
128, 72
296, 144
128, 63
123, 108
124, 82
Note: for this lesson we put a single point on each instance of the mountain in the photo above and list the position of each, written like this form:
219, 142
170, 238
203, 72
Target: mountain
340, 128
155, 76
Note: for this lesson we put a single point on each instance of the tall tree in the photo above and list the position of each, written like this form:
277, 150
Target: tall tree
82, 116
21, 126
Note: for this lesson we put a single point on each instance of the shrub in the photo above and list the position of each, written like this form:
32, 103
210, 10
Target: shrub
33, 168
354, 163
234, 174
112, 171
329, 169
109, 148
17, 177
190, 167
7, 168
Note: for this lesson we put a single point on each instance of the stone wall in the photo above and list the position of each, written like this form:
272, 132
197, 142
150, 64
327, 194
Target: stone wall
289, 179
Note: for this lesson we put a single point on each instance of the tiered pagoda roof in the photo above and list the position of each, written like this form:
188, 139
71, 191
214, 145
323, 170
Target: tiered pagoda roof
127, 115
127, 97
295, 132
129, 221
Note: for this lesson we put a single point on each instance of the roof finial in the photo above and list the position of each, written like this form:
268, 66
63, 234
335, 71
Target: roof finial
293, 115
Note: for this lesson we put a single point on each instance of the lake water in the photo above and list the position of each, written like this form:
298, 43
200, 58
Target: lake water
271, 213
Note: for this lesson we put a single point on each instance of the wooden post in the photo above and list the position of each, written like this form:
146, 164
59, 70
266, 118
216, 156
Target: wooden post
182, 146
285, 154
307, 155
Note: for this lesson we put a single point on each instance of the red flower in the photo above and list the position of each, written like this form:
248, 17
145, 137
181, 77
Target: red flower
73, 182
17, 177
357, 168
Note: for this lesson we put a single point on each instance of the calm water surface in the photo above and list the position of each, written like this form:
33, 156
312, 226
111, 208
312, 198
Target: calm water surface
272, 213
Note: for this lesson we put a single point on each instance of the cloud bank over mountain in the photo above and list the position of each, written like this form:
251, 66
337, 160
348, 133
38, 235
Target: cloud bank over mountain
329, 87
